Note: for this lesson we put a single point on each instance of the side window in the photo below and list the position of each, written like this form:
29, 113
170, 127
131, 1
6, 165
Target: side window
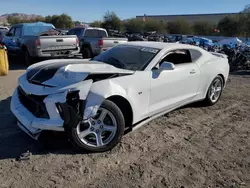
102, 33
11, 32
178, 57
195, 55
18, 32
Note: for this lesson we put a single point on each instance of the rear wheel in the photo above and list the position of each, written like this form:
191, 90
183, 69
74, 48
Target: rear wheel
102, 132
86, 53
214, 91
28, 60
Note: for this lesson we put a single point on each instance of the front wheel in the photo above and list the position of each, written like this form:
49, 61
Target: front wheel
214, 91
102, 132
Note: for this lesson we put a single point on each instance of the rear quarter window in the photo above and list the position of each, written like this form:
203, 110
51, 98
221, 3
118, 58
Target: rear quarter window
195, 55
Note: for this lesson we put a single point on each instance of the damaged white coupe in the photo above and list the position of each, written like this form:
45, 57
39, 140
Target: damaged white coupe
97, 100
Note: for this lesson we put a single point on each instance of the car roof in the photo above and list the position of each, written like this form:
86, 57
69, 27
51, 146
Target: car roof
161, 45
84, 27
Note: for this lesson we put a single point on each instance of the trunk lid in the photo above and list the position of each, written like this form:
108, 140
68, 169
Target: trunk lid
54, 43
109, 42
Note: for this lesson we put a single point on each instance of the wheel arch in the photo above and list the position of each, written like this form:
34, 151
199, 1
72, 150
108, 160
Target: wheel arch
223, 78
108, 90
25, 48
86, 45
125, 107
209, 83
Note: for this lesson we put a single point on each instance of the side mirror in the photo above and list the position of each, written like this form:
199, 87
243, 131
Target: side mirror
166, 66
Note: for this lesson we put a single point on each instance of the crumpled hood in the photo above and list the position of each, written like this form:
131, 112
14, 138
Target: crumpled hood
59, 73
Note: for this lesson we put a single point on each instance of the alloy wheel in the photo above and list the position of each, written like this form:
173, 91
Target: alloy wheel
98, 131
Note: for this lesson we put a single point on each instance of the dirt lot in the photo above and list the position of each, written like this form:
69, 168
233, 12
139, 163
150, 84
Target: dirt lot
191, 147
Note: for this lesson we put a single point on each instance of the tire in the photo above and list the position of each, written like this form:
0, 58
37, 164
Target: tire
86, 53
89, 141
209, 100
28, 60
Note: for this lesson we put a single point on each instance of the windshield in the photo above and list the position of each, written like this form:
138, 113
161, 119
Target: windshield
128, 57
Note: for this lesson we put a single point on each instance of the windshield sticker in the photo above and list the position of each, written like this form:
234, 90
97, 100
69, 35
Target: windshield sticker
151, 50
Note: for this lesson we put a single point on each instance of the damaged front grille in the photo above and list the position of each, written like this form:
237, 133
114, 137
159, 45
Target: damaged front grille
33, 103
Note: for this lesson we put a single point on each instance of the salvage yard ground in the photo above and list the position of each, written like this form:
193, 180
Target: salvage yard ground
190, 147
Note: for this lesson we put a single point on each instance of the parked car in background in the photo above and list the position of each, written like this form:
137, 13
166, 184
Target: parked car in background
156, 38
136, 37
39, 40
96, 100
176, 38
94, 41
2, 34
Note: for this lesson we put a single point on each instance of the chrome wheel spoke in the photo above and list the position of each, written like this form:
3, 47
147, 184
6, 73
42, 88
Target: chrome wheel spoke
212, 95
85, 133
101, 130
216, 83
103, 114
109, 128
218, 89
99, 141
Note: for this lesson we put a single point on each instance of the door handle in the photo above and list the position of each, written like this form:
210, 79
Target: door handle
192, 71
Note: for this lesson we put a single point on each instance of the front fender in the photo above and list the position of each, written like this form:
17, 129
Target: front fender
98, 93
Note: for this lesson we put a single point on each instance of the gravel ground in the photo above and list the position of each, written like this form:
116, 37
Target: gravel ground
190, 147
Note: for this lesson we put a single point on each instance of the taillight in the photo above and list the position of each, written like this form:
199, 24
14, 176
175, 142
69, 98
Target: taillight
100, 43
77, 42
38, 43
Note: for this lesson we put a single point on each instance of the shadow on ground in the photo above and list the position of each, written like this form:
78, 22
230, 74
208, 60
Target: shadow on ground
16, 64
14, 142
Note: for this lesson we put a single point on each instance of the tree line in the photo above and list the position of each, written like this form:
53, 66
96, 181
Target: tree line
59, 21
234, 25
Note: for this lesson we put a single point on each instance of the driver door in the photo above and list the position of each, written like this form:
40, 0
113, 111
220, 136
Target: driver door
8, 40
173, 88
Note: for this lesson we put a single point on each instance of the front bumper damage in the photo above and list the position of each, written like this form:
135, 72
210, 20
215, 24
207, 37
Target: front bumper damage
64, 109
34, 125
55, 83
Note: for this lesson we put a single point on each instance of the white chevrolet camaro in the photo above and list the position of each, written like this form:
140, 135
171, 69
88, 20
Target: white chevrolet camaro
97, 100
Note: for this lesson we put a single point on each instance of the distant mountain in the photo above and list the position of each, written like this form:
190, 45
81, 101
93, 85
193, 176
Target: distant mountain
3, 18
